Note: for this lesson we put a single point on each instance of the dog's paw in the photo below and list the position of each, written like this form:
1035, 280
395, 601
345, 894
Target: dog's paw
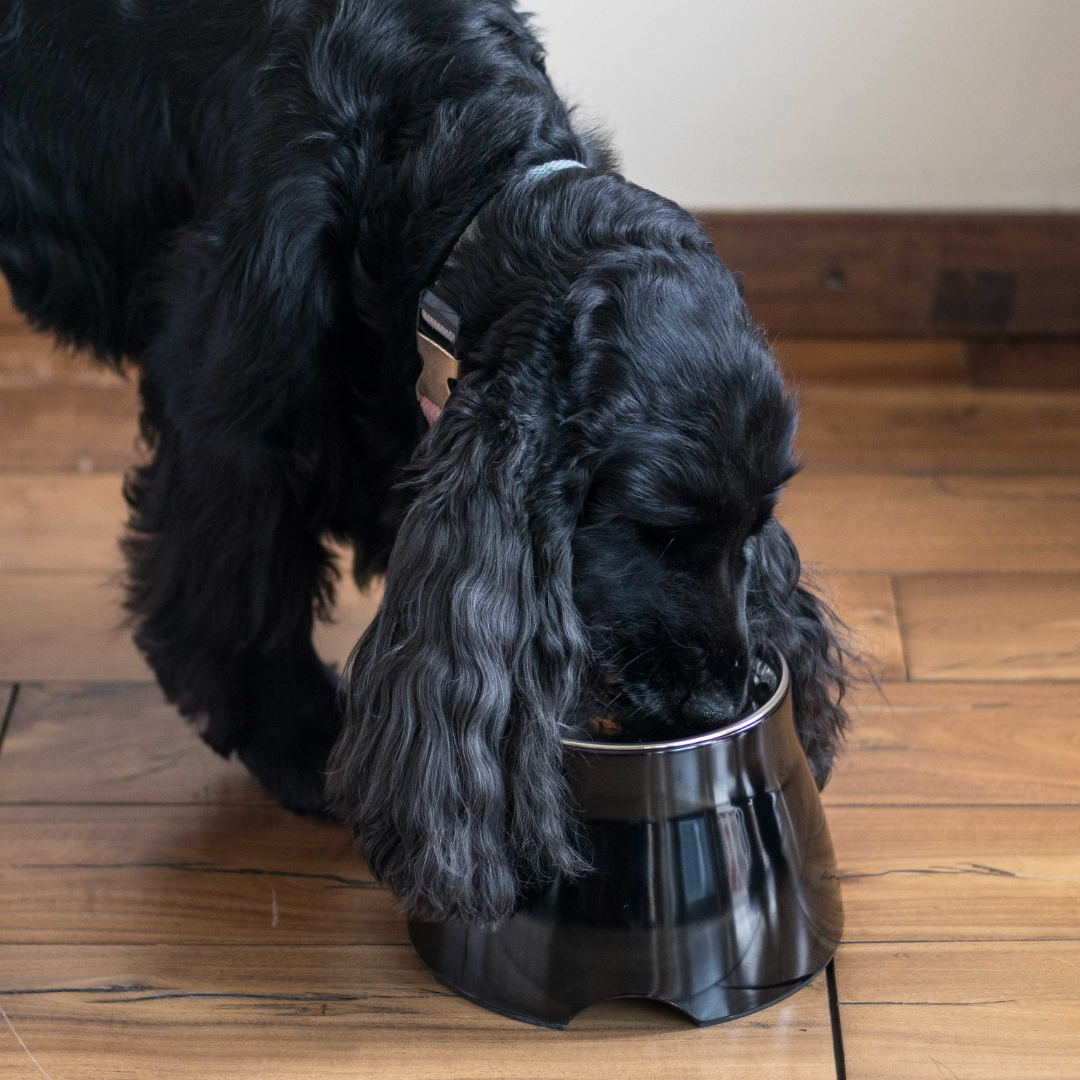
297, 782
296, 717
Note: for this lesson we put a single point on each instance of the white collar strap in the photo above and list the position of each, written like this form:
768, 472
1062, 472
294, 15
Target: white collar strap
538, 172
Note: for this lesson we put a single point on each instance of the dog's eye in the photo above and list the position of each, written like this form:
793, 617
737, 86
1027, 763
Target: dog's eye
653, 533
665, 540
656, 536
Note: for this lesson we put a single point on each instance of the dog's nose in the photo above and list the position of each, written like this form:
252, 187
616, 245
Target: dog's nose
709, 709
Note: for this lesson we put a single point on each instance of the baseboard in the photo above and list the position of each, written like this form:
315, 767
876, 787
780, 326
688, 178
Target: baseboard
990, 277
941, 275
1023, 365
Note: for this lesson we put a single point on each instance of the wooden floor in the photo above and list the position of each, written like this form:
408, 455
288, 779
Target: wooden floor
160, 917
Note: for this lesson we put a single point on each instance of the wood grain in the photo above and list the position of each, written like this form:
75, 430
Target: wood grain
353, 612
112, 743
210, 874
60, 424
29, 359
65, 625
885, 524
871, 361
920, 430
958, 873
63, 427
1024, 365
987, 1009
880, 274
991, 626
68, 625
865, 603
942, 743
60, 522
939, 743
348, 1011
98, 874
56, 521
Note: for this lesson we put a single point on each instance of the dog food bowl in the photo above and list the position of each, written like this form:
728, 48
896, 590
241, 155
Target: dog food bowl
713, 884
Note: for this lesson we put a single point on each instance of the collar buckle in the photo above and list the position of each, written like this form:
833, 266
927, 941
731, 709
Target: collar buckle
437, 326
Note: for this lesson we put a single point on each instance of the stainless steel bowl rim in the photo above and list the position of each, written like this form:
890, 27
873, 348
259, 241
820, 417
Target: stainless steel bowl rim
756, 717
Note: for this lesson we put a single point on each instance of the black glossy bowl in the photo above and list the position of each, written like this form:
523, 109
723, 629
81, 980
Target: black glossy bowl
713, 886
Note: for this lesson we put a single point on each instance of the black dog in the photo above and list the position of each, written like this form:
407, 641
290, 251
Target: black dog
246, 199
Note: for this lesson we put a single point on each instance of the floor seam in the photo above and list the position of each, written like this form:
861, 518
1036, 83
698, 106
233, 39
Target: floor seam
894, 593
834, 1021
951, 806
962, 941
13, 696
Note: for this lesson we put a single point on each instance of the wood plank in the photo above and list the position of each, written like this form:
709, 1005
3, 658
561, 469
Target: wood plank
58, 521
65, 625
1024, 365
873, 362
991, 626
33, 359
865, 603
189, 1011
64, 427
57, 425
848, 522
905, 274
919, 430
353, 612
941, 743
1023, 489
112, 743
988, 1010
68, 626
958, 873
62, 522
100, 874
209, 874
884, 524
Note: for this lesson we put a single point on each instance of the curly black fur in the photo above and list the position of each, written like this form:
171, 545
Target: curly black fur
245, 200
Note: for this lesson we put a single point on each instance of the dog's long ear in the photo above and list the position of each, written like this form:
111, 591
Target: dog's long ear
783, 613
449, 768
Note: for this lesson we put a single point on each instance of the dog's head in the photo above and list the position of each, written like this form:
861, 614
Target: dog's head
590, 530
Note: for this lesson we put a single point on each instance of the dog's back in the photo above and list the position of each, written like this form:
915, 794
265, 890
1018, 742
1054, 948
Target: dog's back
123, 120
98, 103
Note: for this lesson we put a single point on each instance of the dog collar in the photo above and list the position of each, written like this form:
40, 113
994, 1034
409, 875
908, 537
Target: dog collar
437, 323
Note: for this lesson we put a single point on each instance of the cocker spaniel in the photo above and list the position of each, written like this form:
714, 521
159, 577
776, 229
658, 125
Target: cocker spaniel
247, 200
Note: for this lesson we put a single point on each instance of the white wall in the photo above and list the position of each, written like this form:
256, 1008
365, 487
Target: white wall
851, 104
